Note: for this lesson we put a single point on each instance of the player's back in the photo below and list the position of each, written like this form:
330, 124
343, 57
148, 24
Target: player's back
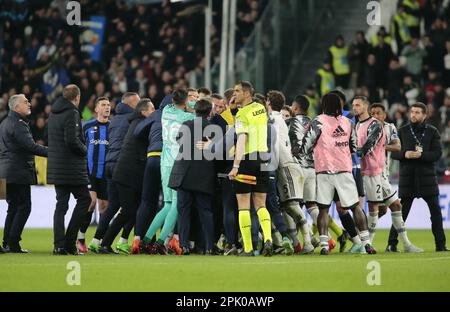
171, 121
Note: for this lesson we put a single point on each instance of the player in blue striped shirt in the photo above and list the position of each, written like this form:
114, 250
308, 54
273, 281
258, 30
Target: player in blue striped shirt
96, 138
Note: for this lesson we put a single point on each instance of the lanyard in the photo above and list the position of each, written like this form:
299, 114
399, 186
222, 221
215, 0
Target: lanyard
415, 137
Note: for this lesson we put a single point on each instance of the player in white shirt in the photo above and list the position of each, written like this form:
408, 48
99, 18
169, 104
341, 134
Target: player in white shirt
290, 177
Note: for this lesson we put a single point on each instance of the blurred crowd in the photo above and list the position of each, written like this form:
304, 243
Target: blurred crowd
149, 49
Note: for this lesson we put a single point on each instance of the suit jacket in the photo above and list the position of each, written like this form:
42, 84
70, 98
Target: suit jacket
418, 176
191, 171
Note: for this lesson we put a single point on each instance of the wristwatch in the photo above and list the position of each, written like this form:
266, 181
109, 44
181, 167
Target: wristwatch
236, 166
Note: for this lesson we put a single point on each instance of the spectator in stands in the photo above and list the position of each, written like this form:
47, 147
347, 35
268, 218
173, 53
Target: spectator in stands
358, 55
400, 30
414, 58
412, 16
394, 81
383, 55
324, 80
338, 54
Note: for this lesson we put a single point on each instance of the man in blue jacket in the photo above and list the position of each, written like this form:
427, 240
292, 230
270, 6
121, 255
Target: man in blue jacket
117, 130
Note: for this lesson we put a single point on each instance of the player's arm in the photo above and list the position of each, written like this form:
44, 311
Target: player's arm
143, 128
394, 144
374, 135
311, 137
242, 129
353, 140
296, 135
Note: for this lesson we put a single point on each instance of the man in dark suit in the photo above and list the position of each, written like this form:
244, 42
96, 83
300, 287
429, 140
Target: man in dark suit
17, 150
67, 168
193, 176
421, 148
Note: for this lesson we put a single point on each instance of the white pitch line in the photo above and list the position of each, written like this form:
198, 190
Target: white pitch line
315, 261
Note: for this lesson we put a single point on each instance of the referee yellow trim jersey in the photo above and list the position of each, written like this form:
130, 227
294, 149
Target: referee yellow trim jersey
252, 120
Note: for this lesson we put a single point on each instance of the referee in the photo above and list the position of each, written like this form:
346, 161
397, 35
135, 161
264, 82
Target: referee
251, 129
97, 141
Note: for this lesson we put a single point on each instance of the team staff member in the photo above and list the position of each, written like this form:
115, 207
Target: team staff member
96, 139
17, 150
150, 129
421, 148
251, 129
128, 176
192, 191
67, 168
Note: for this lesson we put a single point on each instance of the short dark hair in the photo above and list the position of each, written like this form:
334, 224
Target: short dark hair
287, 108
228, 94
378, 105
421, 106
331, 105
216, 96
179, 96
203, 107
70, 92
142, 105
191, 89
127, 95
101, 98
259, 98
302, 101
247, 86
277, 100
204, 90
363, 98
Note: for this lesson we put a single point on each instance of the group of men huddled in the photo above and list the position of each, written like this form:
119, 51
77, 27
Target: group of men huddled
214, 158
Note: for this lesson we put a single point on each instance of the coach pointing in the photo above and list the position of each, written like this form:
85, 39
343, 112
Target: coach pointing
421, 148
67, 168
17, 150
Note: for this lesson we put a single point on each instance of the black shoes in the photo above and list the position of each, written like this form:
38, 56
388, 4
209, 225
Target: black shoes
107, 250
391, 248
59, 252
442, 249
16, 249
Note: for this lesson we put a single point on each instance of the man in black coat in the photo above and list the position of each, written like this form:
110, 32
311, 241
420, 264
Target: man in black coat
128, 176
193, 176
17, 150
67, 168
421, 148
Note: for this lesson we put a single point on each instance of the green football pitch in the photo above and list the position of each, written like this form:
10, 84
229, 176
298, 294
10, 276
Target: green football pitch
41, 271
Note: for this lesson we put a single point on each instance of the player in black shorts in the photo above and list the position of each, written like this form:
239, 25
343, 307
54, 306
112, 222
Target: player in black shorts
96, 138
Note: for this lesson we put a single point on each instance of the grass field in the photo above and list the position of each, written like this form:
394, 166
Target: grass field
41, 271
